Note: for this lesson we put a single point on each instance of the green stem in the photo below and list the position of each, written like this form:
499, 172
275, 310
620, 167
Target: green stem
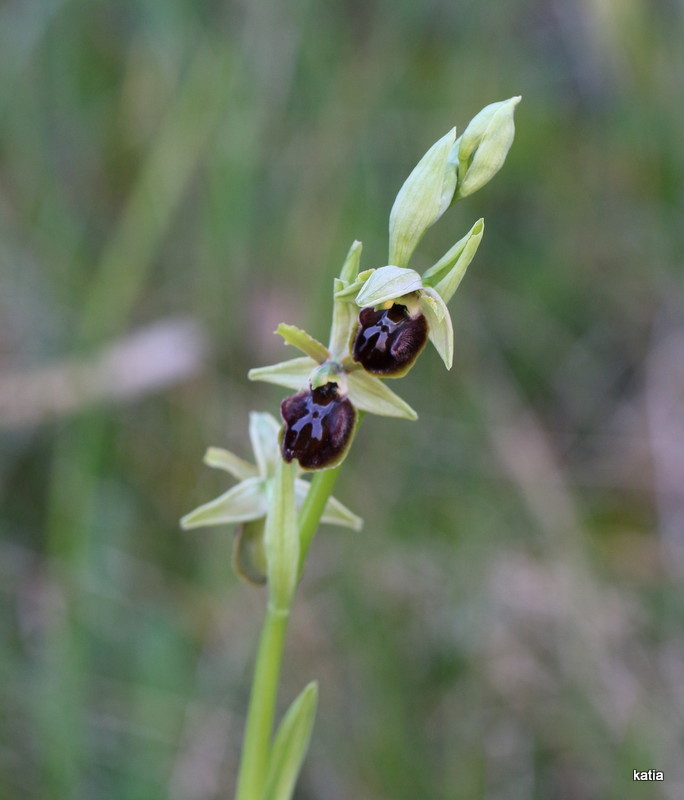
261, 711
262, 706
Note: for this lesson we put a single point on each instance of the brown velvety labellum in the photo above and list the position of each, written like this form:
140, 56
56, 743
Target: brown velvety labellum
318, 427
388, 341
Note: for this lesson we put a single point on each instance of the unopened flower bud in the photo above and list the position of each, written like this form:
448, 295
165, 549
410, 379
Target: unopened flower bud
318, 427
388, 341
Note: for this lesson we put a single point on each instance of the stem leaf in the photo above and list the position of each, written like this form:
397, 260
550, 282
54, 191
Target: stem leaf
290, 745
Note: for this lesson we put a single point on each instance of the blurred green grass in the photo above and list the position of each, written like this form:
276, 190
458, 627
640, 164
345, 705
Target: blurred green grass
509, 623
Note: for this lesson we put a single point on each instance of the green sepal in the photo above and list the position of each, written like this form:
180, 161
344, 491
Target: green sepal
242, 503
370, 394
421, 201
281, 539
293, 374
290, 746
249, 556
345, 317
335, 513
303, 341
447, 273
218, 458
440, 329
350, 268
263, 435
482, 148
388, 283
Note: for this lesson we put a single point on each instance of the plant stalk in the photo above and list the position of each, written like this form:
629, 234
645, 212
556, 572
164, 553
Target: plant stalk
261, 710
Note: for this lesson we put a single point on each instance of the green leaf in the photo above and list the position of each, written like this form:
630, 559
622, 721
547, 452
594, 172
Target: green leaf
243, 502
424, 197
440, 329
219, 458
249, 557
388, 283
263, 434
335, 513
281, 539
371, 394
446, 275
482, 149
304, 341
293, 374
290, 746
350, 268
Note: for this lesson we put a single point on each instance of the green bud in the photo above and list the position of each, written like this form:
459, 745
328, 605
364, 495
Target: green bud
482, 148
425, 196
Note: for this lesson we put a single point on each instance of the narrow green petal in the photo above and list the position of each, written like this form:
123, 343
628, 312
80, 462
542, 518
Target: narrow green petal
243, 502
263, 434
293, 374
303, 341
290, 746
219, 458
388, 283
281, 539
440, 329
335, 512
371, 394
446, 275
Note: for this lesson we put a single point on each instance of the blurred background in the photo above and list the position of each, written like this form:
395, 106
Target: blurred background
176, 178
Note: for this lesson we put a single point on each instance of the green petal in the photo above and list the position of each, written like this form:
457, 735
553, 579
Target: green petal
388, 283
243, 502
371, 394
424, 197
440, 329
293, 374
335, 513
263, 434
219, 458
446, 275
290, 746
304, 341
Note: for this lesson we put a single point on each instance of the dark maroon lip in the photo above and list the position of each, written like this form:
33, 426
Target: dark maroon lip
388, 341
318, 427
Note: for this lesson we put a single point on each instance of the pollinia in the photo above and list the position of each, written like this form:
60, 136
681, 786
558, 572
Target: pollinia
382, 320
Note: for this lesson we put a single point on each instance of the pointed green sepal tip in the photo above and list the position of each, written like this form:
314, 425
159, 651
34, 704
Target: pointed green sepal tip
425, 196
481, 150
350, 268
290, 746
440, 329
292, 374
244, 502
446, 274
388, 283
370, 394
